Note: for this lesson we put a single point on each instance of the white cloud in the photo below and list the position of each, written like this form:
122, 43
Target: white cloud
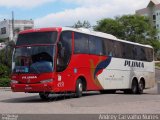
68, 17
91, 10
23, 3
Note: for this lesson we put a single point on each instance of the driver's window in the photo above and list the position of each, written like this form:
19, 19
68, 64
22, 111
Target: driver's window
66, 47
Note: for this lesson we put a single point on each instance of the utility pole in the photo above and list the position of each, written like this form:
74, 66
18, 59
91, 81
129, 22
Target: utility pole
13, 24
7, 45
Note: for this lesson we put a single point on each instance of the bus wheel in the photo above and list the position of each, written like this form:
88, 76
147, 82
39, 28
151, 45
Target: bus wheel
44, 95
79, 88
141, 87
134, 87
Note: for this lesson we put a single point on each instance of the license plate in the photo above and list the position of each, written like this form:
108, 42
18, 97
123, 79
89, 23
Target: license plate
28, 88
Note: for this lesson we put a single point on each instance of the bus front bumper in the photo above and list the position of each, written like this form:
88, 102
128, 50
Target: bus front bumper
45, 87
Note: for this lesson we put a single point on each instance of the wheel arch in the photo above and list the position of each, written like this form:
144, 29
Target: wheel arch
84, 81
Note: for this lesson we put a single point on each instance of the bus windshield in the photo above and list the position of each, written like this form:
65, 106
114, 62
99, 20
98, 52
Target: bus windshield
37, 38
33, 59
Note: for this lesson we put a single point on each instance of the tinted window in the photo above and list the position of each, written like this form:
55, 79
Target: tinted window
118, 49
140, 53
37, 38
127, 51
143, 54
100, 46
80, 43
109, 47
37, 59
149, 54
96, 45
66, 42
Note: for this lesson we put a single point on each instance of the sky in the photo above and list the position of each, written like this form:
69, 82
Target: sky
54, 13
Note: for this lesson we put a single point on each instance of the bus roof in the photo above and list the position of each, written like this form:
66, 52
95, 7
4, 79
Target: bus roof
101, 34
41, 30
82, 30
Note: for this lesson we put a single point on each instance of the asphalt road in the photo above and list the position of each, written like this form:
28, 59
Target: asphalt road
90, 103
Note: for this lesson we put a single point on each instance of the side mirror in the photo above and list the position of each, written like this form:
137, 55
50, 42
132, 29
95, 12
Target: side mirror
61, 50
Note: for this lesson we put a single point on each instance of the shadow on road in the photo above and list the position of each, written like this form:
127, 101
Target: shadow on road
53, 98
62, 97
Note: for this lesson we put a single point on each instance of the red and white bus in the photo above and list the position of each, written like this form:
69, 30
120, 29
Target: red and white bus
54, 60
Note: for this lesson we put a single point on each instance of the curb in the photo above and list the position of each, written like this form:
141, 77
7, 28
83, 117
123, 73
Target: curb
157, 61
5, 88
158, 87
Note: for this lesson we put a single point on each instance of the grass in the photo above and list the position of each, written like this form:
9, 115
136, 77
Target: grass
4, 82
158, 65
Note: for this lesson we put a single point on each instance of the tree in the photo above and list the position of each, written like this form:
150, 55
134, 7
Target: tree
130, 27
110, 26
2, 40
84, 24
6, 59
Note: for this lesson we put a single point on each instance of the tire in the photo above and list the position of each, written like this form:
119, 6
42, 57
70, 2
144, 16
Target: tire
134, 87
141, 86
107, 91
44, 96
79, 88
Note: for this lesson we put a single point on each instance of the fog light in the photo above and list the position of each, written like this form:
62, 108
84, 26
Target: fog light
47, 81
14, 81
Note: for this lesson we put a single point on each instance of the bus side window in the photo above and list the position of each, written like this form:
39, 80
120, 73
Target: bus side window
80, 43
134, 52
96, 45
143, 54
149, 54
109, 47
118, 49
66, 46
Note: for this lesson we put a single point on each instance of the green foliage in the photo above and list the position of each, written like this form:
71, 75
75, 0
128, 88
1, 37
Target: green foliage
155, 44
84, 24
4, 82
6, 60
132, 28
110, 26
4, 71
2, 40
128, 27
6, 56
158, 65
137, 28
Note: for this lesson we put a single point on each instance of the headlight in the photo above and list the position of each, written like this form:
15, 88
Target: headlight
14, 81
47, 81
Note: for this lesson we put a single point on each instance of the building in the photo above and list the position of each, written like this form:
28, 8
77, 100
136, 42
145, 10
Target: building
6, 28
153, 12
